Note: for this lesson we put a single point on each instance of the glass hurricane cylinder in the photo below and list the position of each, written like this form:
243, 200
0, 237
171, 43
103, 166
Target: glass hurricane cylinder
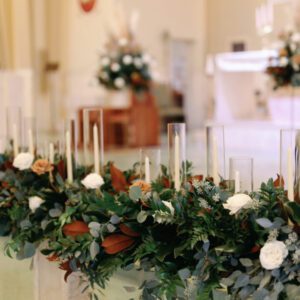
14, 129
150, 164
29, 135
93, 138
177, 153
290, 162
241, 174
215, 153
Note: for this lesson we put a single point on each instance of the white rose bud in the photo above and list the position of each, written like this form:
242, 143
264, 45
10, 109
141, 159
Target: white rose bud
237, 202
272, 255
92, 181
23, 161
35, 202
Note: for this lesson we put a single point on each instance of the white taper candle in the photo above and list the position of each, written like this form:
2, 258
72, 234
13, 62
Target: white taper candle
69, 158
176, 162
215, 162
30, 142
51, 153
237, 186
15, 140
290, 176
96, 150
147, 170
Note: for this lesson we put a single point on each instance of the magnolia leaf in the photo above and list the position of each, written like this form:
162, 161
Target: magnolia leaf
184, 273
142, 216
55, 212
246, 262
128, 231
94, 249
116, 243
135, 193
75, 229
118, 179
264, 222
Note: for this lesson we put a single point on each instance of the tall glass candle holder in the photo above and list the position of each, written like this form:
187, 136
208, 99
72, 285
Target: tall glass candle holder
215, 153
71, 144
29, 135
93, 138
241, 174
177, 153
150, 164
290, 162
14, 128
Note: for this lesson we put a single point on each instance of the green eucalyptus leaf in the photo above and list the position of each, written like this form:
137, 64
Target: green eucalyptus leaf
94, 249
264, 222
142, 216
135, 193
246, 262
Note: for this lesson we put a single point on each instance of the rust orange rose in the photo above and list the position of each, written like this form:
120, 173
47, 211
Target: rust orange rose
144, 186
41, 166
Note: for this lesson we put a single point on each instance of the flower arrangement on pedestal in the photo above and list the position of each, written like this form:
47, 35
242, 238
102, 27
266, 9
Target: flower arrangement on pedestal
199, 242
124, 65
285, 68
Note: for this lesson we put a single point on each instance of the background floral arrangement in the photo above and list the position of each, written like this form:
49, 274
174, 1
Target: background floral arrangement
124, 65
200, 243
285, 68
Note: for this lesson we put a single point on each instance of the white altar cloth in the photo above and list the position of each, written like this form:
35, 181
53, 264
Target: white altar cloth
235, 83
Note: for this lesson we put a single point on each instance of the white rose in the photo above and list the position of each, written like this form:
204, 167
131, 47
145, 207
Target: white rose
237, 202
35, 202
115, 67
169, 206
283, 61
127, 59
272, 255
119, 82
23, 161
92, 181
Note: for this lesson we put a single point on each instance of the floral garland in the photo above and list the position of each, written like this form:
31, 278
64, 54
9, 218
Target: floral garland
202, 242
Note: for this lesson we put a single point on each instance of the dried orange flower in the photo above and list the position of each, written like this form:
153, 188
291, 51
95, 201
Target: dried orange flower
145, 187
296, 59
41, 166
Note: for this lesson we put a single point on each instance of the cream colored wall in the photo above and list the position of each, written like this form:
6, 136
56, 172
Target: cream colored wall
232, 20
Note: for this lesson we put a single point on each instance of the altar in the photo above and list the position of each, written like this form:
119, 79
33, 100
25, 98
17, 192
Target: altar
237, 76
